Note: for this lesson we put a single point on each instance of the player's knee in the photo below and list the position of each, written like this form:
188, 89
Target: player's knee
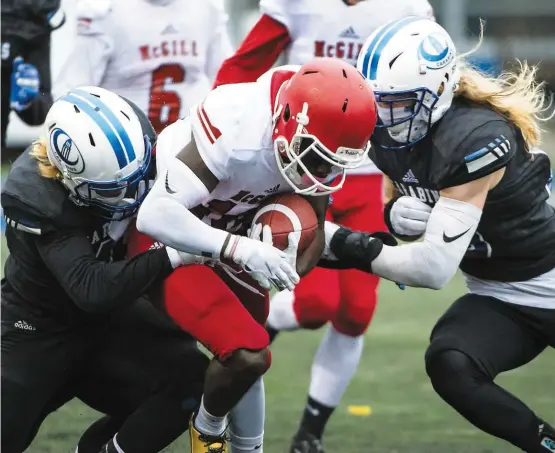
352, 328
353, 321
251, 364
453, 373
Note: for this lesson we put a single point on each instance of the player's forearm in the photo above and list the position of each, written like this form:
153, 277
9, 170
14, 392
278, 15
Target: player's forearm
167, 219
311, 256
104, 287
256, 54
96, 286
429, 264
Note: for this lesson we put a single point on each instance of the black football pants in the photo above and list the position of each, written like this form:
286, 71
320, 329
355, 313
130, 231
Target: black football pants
126, 367
475, 340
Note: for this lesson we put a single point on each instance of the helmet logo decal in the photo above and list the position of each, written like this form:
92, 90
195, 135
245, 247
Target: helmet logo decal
66, 152
436, 51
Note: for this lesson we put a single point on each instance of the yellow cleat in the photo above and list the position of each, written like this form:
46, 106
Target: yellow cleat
204, 443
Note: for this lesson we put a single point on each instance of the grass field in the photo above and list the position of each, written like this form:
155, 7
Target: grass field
407, 416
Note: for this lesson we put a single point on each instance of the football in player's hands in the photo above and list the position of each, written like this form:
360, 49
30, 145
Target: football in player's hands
287, 213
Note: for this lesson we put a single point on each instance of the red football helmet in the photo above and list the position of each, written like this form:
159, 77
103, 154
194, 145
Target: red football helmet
323, 119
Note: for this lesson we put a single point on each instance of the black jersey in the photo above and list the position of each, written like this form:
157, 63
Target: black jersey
60, 260
515, 239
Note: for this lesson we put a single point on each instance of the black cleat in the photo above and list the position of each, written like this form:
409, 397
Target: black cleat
304, 442
272, 333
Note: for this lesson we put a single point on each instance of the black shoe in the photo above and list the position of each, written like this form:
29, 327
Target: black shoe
272, 333
547, 438
304, 442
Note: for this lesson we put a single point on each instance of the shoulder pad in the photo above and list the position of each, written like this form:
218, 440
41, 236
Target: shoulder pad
28, 211
90, 15
473, 142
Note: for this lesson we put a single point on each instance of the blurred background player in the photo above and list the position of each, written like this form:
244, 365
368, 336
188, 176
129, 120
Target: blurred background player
160, 54
26, 29
302, 30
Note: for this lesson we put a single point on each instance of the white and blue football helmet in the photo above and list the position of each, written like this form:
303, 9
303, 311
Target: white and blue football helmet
411, 65
102, 145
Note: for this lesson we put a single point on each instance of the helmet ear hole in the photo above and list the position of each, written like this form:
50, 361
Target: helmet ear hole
287, 113
441, 89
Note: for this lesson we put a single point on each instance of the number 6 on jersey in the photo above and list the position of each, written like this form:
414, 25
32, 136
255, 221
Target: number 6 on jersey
165, 105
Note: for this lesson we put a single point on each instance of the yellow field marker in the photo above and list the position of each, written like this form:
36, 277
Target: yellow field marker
360, 411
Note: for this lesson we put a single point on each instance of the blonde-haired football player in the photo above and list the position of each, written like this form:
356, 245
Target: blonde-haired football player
477, 193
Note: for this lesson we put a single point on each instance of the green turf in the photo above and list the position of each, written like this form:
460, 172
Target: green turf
407, 416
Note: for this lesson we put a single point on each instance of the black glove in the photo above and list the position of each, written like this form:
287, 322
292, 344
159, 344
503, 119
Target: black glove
356, 250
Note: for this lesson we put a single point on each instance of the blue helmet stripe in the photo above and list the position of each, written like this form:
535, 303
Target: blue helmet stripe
113, 119
390, 33
103, 124
371, 47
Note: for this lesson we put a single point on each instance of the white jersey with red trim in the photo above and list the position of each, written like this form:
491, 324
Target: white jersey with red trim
161, 54
232, 129
330, 28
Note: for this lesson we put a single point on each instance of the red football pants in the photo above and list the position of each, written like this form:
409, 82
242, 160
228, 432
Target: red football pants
345, 298
215, 306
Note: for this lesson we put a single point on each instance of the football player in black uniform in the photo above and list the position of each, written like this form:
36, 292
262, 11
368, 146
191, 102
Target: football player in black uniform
73, 323
460, 150
26, 31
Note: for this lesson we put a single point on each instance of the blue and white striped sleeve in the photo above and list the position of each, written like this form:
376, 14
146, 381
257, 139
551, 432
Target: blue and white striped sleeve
485, 150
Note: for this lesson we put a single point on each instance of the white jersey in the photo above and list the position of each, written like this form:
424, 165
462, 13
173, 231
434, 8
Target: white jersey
160, 54
330, 28
232, 129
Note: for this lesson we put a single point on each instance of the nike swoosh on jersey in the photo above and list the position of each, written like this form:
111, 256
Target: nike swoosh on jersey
168, 189
454, 238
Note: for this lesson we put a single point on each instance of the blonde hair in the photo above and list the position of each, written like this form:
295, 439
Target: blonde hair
516, 96
46, 169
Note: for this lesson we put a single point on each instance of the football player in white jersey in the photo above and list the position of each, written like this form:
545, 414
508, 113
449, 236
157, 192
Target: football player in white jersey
160, 54
304, 29
294, 130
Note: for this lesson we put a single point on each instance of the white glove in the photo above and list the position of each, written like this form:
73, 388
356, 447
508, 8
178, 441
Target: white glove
409, 216
178, 258
293, 239
268, 265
